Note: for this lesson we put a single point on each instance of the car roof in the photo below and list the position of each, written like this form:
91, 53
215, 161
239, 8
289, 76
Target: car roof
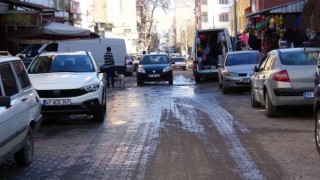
241, 52
9, 58
63, 53
296, 49
156, 54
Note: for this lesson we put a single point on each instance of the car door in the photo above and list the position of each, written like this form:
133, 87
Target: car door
10, 117
265, 74
257, 80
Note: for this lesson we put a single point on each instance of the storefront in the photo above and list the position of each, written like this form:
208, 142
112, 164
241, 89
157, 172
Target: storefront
276, 27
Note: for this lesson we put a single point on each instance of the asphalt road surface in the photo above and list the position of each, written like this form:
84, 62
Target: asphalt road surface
180, 131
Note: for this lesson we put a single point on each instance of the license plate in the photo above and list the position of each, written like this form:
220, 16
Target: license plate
246, 80
57, 102
154, 75
308, 95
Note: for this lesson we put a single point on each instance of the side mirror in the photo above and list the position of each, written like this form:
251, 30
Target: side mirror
5, 101
172, 62
255, 69
21, 57
103, 69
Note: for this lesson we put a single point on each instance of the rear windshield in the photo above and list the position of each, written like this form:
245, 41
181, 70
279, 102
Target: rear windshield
299, 58
241, 59
61, 63
177, 59
155, 59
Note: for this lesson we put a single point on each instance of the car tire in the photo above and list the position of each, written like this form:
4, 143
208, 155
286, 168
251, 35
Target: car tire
197, 78
270, 110
24, 156
225, 89
171, 80
317, 131
139, 82
100, 113
184, 69
254, 103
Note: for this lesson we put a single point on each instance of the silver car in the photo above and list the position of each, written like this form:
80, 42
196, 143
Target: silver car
236, 70
284, 78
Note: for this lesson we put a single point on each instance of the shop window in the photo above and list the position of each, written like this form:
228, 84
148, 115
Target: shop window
204, 2
204, 18
223, 1
224, 17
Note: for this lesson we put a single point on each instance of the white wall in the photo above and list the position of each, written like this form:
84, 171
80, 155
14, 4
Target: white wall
214, 10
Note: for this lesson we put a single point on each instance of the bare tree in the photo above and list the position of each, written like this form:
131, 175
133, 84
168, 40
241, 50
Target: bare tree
147, 18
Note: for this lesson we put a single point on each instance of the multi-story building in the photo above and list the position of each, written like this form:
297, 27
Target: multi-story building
219, 13
122, 15
185, 24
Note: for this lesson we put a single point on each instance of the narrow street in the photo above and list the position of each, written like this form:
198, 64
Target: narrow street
180, 131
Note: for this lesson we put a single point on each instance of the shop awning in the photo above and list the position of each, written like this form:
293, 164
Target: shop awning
289, 8
23, 4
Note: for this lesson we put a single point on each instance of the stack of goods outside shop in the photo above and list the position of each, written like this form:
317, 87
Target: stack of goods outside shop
273, 31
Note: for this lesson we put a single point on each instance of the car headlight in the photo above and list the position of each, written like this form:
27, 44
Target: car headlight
91, 88
166, 69
232, 74
141, 70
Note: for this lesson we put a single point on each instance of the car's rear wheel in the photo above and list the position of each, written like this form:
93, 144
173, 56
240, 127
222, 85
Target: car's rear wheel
254, 103
197, 78
225, 89
24, 156
317, 131
270, 110
100, 112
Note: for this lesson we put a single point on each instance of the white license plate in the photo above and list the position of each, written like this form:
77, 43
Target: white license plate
246, 80
308, 95
57, 102
154, 75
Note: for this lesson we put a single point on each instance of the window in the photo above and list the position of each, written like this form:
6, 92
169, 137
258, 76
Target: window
223, 1
204, 17
8, 80
204, 2
224, 17
22, 75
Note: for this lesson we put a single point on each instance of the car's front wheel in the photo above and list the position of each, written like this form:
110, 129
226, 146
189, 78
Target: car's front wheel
317, 131
171, 80
100, 112
24, 156
270, 110
139, 82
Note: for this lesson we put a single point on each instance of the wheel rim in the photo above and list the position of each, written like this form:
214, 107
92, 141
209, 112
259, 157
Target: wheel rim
318, 132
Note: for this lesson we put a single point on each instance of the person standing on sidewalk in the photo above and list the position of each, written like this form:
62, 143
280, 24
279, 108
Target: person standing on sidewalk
109, 62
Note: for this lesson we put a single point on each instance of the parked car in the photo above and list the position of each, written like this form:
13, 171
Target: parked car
20, 110
69, 83
129, 65
178, 62
284, 78
317, 106
154, 67
5, 53
236, 69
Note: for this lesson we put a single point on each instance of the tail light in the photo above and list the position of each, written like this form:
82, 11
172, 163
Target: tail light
282, 76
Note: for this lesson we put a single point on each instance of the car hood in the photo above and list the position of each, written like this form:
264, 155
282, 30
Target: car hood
247, 68
150, 67
63, 80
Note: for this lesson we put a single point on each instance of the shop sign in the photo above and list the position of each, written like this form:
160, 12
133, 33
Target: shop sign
19, 19
74, 8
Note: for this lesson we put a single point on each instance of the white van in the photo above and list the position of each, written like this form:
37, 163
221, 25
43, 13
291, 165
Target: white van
97, 47
209, 48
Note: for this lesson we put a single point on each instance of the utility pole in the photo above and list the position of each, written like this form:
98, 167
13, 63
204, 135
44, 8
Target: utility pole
235, 21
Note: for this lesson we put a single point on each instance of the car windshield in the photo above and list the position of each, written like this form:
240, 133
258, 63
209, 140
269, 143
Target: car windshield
177, 59
241, 59
61, 63
299, 58
155, 59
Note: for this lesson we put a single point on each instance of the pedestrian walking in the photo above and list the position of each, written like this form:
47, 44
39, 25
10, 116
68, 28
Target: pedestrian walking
109, 63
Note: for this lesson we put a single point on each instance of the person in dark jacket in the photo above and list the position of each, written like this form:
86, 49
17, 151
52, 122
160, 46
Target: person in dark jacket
109, 63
